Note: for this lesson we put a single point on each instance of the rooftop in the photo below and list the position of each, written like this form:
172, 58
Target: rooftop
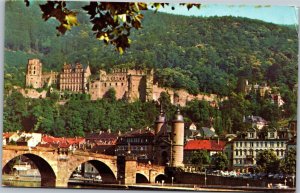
210, 145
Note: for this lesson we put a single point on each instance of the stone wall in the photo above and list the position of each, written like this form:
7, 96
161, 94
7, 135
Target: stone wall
31, 93
193, 178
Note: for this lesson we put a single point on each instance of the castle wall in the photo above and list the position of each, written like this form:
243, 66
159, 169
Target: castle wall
50, 78
98, 89
31, 93
180, 97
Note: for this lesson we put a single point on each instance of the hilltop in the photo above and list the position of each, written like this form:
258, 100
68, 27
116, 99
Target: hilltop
199, 54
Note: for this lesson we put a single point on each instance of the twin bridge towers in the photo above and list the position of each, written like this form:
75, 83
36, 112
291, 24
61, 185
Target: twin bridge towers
57, 166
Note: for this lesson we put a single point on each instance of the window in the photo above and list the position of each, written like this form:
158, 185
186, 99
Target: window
251, 135
282, 144
257, 144
266, 144
236, 152
245, 144
241, 144
251, 144
277, 143
271, 144
272, 135
236, 144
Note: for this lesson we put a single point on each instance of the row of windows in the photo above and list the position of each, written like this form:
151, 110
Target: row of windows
135, 148
71, 80
115, 78
260, 144
71, 87
134, 140
105, 84
71, 75
251, 152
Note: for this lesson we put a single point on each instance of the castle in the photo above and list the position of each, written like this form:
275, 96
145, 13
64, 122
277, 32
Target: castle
128, 84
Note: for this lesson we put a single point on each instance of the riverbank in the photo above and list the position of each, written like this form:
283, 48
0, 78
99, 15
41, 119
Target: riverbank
17, 182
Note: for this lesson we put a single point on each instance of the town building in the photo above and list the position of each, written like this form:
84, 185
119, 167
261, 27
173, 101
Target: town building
64, 144
246, 148
256, 121
22, 138
210, 146
101, 142
137, 142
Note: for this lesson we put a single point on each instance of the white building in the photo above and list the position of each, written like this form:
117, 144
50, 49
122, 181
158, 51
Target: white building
246, 148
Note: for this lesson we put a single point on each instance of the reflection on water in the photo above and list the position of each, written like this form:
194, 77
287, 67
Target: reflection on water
21, 183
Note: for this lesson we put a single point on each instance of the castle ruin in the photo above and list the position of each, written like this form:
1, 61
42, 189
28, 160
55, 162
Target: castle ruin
129, 84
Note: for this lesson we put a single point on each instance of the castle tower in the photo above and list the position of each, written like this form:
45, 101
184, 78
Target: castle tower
34, 73
177, 140
160, 121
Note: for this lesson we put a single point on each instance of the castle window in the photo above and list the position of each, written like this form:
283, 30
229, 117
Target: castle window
33, 72
116, 84
122, 83
109, 84
105, 84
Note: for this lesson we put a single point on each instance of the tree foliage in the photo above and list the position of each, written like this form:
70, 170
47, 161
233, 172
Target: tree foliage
219, 161
200, 158
111, 21
267, 162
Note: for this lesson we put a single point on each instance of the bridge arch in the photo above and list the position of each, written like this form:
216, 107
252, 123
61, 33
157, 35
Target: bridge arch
160, 177
141, 178
108, 176
48, 176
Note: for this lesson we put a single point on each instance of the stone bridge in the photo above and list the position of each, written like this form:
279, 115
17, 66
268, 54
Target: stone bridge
57, 167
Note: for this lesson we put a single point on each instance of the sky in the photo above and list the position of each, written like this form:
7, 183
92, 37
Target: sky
284, 15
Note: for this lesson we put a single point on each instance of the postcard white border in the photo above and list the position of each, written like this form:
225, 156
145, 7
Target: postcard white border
295, 3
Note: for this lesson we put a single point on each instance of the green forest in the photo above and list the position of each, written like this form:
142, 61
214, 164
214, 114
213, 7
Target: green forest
201, 55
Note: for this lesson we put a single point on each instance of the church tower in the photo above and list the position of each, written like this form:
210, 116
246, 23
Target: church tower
177, 140
34, 74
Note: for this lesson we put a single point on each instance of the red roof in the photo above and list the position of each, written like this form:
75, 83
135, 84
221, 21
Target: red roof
62, 140
210, 145
7, 135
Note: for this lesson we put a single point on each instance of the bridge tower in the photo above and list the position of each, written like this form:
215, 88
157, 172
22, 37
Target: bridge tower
160, 121
177, 140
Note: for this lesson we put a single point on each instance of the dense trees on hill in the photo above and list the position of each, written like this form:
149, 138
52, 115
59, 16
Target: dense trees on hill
207, 55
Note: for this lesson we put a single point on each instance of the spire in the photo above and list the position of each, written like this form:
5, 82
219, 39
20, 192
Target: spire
178, 117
